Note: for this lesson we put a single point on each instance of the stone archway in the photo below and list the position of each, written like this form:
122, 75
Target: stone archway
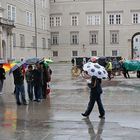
3, 50
132, 44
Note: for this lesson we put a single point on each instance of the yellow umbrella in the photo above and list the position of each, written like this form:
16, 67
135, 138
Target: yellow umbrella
8, 66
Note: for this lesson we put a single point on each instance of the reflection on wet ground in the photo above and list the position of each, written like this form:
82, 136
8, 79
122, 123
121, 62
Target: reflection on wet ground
58, 117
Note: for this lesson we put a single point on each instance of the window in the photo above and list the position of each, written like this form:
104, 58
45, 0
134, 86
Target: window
136, 18
51, 21
55, 38
93, 20
74, 20
74, 53
55, 53
114, 37
29, 17
115, 19
93, 53
93, 37
43, 42
114, 53
55, 21
22, 40
43, 22
11, 12
14, 40
74, 38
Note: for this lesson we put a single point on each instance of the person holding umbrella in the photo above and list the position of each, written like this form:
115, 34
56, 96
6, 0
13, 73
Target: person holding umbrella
2, 78
95, 72
19, 86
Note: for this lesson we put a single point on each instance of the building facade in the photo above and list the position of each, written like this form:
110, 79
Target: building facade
31, 21
84, 28
62, 29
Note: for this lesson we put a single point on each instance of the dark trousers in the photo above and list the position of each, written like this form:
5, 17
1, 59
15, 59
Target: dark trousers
95, 97
109, 74
1, 84
30, 90
20, 91
38, 92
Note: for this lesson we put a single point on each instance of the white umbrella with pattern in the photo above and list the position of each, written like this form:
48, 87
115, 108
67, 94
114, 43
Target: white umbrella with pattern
94, 69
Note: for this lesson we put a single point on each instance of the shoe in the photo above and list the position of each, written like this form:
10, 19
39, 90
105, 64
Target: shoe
102, 116
18, 103
1, 93
84, 115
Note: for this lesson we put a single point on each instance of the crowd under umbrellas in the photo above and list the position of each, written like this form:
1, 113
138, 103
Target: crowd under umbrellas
36, 72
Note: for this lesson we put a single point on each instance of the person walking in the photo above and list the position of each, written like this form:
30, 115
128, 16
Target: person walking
2, 78
95, 96
19, 86
29, 80
109, 69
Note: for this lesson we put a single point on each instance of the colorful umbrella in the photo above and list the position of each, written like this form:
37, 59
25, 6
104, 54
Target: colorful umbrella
8, 66
48, 60
17, 66
94, 69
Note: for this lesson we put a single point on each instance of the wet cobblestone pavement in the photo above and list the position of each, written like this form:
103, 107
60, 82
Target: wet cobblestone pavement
59, 116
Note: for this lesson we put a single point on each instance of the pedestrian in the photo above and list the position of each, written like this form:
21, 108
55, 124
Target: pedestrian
73, 61
109, 68
19, 86
38, 82
46, 79
2, 78
29, 80
95, 96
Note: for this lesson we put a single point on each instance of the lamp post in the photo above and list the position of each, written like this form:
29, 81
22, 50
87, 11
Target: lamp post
35, 28
104, 28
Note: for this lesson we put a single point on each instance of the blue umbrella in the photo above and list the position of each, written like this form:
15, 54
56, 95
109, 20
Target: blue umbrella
32, 61
17, 66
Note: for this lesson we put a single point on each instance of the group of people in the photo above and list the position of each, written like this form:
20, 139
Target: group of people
37, 79
37, 83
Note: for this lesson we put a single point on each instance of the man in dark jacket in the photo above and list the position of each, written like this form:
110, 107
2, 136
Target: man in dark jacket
29, 80
95, 96
38, 82
2, 77
19, 86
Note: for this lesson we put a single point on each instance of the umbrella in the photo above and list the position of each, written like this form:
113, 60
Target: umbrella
48, 60
31, 61
17, 66
8, 66
94, 69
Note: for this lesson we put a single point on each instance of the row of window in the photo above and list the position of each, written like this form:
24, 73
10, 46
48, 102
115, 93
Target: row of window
29, 16
93, 37
94, 19
22, 41
93, 53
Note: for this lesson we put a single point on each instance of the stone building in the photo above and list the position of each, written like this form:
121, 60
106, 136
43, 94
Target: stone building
30, 19
62, 29
82, 28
